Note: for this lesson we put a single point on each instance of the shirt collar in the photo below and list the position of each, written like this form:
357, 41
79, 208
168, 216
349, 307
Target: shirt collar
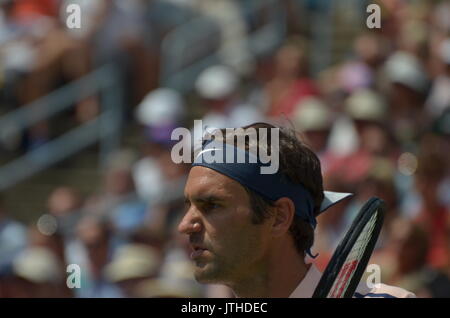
308, 284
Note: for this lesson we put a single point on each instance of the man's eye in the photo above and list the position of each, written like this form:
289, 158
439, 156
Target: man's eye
211, 206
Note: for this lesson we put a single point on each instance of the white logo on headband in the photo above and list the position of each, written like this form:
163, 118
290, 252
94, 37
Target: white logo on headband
238, 137
207, 150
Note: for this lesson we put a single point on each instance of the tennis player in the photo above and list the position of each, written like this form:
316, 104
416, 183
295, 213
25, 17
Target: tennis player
252, 231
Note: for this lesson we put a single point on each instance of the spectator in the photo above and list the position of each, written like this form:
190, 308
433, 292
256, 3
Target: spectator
313, 118
433, 216
233, 51
132, 264
290, 82
13, 238
439, 98
92, 252
42, 236
218, 86
367, 112
64, 203
37, 273
411, 258
408, 88
118, 201
160, 112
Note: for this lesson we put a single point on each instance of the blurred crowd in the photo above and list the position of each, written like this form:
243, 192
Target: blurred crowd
378, 119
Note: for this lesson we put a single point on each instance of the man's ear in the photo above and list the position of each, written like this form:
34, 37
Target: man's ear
284, 211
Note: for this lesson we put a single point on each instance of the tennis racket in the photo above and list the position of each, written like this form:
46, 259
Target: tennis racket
345, 269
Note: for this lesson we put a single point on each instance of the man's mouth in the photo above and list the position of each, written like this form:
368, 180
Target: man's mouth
197, 251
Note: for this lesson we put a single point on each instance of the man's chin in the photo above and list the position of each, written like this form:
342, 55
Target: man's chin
205, 273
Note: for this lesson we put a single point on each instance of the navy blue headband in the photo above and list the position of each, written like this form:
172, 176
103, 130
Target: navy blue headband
245, 168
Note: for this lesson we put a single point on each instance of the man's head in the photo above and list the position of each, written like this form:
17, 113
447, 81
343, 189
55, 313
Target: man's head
234, 231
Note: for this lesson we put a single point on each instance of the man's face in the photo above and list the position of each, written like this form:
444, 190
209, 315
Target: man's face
227, 246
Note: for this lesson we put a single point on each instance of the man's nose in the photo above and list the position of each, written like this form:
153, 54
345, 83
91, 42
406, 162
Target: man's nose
191, 223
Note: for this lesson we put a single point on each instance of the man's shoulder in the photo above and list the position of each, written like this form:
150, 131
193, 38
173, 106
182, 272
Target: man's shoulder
382, 291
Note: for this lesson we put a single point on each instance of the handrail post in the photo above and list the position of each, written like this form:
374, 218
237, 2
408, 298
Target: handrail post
111, 123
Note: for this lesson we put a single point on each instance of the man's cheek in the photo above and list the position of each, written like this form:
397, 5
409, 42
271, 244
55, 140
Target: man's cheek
224, 244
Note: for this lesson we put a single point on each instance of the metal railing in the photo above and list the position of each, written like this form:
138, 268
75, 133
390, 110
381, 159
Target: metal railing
105, 128
193, 46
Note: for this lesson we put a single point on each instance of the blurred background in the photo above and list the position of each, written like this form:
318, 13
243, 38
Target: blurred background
86, 116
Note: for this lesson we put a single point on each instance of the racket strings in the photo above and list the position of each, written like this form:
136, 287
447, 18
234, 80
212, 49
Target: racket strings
351, 263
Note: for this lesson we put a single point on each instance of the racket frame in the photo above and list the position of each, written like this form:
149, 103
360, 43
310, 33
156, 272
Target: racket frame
344, 248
